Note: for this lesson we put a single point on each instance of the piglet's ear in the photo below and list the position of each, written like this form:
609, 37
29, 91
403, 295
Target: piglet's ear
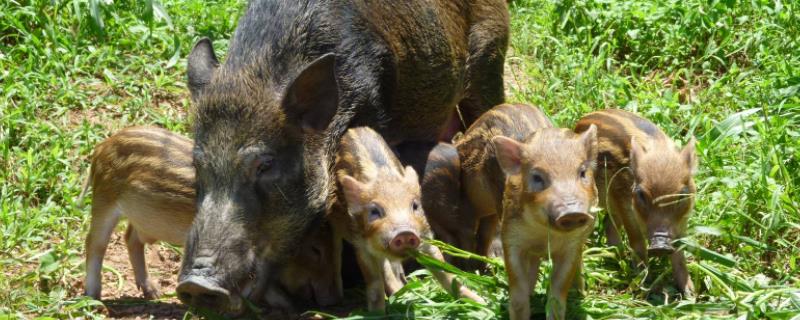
637, 152
589, 140
311, 98
410, 175
509, 154
353, 191
689, 155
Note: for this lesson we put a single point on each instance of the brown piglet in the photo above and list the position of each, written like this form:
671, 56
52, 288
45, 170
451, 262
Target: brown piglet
447, 213
377, 208
534, 180
482, 178
549, 192
645, 184
146, 175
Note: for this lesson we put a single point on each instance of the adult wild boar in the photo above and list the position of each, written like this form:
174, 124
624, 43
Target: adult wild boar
297, 75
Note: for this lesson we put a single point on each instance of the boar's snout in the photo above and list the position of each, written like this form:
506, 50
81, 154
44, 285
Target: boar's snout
660, 245
198, 291
403, 242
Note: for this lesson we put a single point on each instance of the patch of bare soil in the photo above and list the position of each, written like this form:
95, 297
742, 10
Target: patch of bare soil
123, 300
514, 76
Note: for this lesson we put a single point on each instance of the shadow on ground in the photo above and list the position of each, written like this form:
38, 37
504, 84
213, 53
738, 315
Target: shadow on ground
136, 308
575, 309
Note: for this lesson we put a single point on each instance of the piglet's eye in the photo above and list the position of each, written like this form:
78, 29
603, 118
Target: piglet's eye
640, 195
375, 212
537, 182
584, 175
415, 205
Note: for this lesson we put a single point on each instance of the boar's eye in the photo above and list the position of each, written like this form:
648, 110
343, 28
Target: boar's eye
264, 164
198, 156
375, 212
537, 182
317, 252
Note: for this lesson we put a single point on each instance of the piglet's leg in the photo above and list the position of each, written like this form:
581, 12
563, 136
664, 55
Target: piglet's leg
632, 227
372, 270
565, 266
446, 279
136, 255
518, 265
392, 275
612, 234
681, 274
337, 265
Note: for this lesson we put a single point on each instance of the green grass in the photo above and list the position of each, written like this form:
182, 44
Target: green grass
726, 72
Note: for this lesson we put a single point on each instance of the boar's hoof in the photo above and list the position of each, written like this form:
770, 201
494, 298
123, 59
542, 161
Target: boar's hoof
404, 241
573, 220
200, 292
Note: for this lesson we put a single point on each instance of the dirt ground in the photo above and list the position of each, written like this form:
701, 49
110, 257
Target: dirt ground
124, 301
120, 295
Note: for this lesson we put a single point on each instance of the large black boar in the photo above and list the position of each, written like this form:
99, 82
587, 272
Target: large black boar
298, 74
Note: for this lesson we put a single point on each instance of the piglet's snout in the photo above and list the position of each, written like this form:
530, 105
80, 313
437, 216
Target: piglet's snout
404, 241
571, 215
660, 244
573, 220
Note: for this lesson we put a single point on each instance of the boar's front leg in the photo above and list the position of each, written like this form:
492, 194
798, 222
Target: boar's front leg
681, 274
278, 300
372, 270
488, 40
565, 265
446, 279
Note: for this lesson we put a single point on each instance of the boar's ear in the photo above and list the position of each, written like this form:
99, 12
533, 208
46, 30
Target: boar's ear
690, 156
311, 99
201, 64
352, 190
509, 154
411, 175
589, 140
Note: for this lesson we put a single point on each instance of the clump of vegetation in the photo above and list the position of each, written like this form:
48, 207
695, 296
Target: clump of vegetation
726, 72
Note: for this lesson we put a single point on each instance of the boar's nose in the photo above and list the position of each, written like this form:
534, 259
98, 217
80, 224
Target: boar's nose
404, 241
572, 220
198, 291
660, 245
